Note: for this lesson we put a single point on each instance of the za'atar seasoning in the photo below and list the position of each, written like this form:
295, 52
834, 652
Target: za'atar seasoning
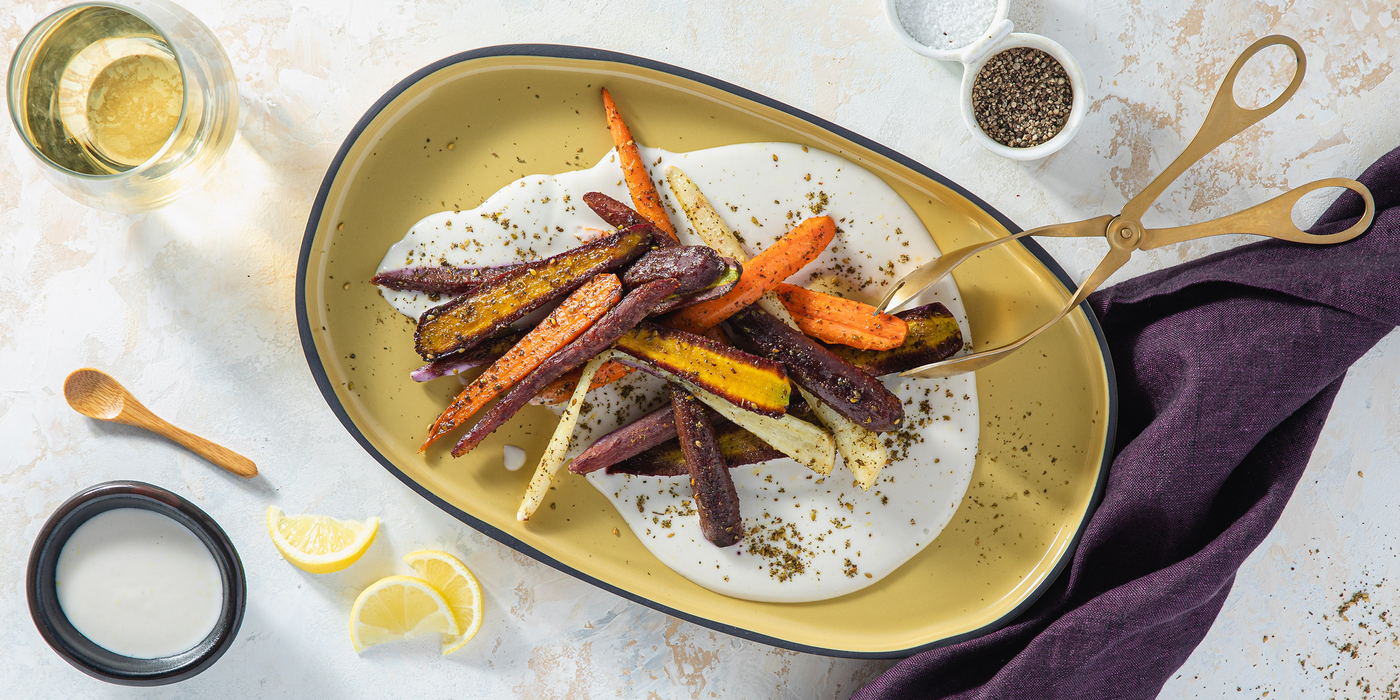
1022, 97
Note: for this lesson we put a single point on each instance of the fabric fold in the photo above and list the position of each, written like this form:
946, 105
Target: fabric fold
1227, 367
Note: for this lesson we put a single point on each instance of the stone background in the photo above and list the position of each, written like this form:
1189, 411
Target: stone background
188, 304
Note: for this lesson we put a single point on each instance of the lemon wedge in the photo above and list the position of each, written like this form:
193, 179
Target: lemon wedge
458, 586
396, 607
319, 544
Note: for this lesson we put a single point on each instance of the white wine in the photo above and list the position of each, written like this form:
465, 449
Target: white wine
104, 92
121, 98
128, 104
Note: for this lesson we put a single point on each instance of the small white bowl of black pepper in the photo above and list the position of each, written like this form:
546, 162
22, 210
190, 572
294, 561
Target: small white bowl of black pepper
1024, 99
1023, 95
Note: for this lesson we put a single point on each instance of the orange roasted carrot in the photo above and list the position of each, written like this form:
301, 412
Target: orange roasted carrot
567, 322
561, 389
764, 271
836, 320
639, 184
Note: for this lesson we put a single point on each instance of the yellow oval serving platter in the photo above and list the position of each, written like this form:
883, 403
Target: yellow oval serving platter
1047, 413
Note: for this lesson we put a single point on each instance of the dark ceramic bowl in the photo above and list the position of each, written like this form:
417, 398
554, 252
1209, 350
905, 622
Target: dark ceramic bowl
83, 653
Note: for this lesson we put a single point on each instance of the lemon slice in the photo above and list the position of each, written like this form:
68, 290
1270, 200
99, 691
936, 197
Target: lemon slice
319, 544
455, 581
396, 607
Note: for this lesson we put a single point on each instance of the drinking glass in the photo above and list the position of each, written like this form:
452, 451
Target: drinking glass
94, 87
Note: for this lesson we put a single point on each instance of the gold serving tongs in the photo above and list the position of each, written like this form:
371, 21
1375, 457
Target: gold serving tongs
1125, 232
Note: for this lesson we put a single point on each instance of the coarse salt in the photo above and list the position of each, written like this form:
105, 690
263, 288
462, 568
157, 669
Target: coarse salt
945, 24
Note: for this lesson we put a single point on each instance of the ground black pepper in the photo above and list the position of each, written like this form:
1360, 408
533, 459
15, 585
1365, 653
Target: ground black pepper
1021, 97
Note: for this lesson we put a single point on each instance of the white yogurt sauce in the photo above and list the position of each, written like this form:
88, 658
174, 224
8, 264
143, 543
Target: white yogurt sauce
512, 457
806, 537
139, 584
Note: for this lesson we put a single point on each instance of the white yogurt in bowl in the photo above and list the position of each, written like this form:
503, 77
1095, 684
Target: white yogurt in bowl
134, 585
139, 584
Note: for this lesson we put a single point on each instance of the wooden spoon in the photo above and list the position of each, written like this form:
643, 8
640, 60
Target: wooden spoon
96, 394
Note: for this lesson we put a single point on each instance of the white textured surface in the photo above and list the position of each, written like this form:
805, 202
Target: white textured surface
192, 308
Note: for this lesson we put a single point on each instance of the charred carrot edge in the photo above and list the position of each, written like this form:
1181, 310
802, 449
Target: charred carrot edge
835, 320
567, 322
639, 184
784, 258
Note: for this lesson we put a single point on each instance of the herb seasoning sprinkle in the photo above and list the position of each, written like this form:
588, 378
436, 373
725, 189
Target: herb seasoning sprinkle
1021, 97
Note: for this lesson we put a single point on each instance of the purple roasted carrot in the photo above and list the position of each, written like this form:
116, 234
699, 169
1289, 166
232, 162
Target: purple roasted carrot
638, 436
739, 447
718, 288
439, 279
849, 391
617, 214
648, 446
694, 266
618, 320
715, 497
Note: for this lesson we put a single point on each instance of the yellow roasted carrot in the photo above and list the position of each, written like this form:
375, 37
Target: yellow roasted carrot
634, 170
763, 272
562, 388
567, 322
844, 321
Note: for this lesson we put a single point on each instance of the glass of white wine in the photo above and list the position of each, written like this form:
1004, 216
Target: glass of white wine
127, 103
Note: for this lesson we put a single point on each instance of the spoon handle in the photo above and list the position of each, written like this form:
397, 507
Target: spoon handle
141, 416
218, 454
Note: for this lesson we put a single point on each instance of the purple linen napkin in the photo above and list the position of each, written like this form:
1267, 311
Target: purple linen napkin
1227, 367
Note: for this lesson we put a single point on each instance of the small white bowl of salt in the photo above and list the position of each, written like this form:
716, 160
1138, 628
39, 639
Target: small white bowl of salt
1023, 94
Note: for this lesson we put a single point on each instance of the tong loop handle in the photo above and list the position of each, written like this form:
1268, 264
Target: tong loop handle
1225, 119
1273, 218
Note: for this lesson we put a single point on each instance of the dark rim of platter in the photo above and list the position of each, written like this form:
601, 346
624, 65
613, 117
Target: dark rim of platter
588, 54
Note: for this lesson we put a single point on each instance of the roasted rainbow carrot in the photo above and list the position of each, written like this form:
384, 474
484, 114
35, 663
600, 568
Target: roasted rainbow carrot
845, 321
764, 271
618, 320
567, 322
470, 319
634, 170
